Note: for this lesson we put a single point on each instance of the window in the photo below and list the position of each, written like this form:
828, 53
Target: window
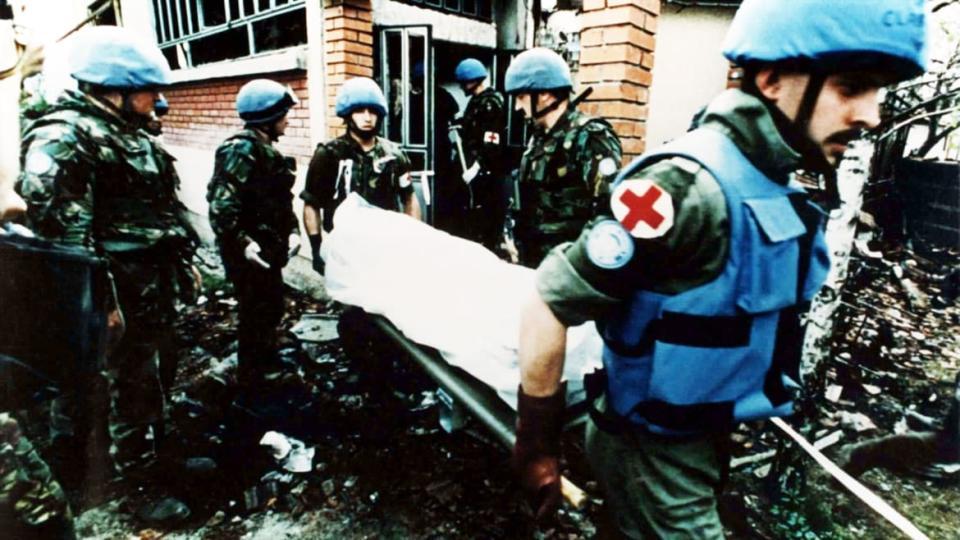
195, 32
477, 9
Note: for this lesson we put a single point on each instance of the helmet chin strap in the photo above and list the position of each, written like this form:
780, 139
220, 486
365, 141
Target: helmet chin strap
271, 131
797, 135
539, 113
132, 116
365, 134
813, 158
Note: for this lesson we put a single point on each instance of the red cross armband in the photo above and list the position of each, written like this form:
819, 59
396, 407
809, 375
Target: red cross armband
643, 208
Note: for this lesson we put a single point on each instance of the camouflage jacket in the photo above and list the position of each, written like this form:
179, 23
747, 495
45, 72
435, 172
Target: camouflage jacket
29, 495
90, 178
483, 128
93, 179
250, 197
565, 177
381, 176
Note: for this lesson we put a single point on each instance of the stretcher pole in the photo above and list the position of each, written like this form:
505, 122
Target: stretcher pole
498, 423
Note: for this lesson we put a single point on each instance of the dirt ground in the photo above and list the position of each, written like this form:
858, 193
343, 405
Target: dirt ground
383, 467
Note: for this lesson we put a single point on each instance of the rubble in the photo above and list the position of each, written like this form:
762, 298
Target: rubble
316, 328
165, 512
889, 355
382, 465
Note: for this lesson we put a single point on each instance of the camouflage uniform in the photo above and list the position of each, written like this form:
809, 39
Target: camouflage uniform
565, 179
93, 179
381, 176
250, 200
32, 504
483, 129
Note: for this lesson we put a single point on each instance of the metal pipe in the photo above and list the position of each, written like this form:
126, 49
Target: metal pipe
501, 427
500, 423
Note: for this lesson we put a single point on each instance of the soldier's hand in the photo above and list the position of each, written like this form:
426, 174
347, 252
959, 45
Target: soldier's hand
11, 205
197, 278
294, 243
511, 249
252, 254
31, 61
116, 326
536, 453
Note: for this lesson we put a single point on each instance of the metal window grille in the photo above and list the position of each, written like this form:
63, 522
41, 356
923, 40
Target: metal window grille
476, 9
194, 32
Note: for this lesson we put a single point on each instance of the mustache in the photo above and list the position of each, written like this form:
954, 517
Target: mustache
845, 137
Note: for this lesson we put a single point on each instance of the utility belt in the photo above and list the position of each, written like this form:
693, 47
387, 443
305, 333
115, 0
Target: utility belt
611, 422
164, 251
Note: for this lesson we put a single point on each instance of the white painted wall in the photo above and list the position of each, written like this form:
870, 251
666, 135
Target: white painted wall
512, 23
688, 69
446, 27
316, 71
137, 15
195, 167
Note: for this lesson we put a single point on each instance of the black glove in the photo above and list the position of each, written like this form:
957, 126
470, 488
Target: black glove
536, 453
318, 264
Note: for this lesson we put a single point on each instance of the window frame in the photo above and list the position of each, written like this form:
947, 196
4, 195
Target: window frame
442, 6
180, 31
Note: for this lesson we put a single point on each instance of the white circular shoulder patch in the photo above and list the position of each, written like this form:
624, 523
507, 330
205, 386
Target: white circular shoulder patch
609, 246
607, 167
643, 208
38, 162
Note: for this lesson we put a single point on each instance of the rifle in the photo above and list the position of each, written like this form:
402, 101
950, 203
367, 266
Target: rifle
581, 96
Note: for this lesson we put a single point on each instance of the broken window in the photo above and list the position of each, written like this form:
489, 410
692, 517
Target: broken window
195, 32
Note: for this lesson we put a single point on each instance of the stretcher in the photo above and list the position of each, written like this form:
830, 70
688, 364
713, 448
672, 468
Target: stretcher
479, 399
453, 306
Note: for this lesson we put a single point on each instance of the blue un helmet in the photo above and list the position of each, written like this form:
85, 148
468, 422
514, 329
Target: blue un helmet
537, 70
262, 101
831, 35
470, 69
113, 57
360, 92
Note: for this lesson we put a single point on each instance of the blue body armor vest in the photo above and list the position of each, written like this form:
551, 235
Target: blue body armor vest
725, 351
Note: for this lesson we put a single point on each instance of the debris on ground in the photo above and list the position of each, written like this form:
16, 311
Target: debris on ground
346, 447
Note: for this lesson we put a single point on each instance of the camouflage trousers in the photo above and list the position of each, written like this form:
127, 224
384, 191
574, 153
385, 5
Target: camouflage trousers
659, 487
32, 504
129, 392
260, 297
146, 291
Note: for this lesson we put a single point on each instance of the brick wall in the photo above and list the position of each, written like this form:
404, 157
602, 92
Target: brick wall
617, 39
348, 34
203, 114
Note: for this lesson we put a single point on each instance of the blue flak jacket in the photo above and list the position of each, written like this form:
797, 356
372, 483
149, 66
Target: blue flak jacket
720, 353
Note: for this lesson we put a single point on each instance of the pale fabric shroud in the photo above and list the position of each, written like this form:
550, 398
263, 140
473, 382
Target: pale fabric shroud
441, 291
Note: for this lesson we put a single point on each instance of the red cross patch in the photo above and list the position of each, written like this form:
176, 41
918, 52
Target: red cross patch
491, 137
643, 208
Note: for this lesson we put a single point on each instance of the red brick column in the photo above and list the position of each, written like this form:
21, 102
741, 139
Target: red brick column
348, 36
616, 59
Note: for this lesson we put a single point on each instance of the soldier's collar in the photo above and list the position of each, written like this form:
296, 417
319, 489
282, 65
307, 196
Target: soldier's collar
750, 126
358, 147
